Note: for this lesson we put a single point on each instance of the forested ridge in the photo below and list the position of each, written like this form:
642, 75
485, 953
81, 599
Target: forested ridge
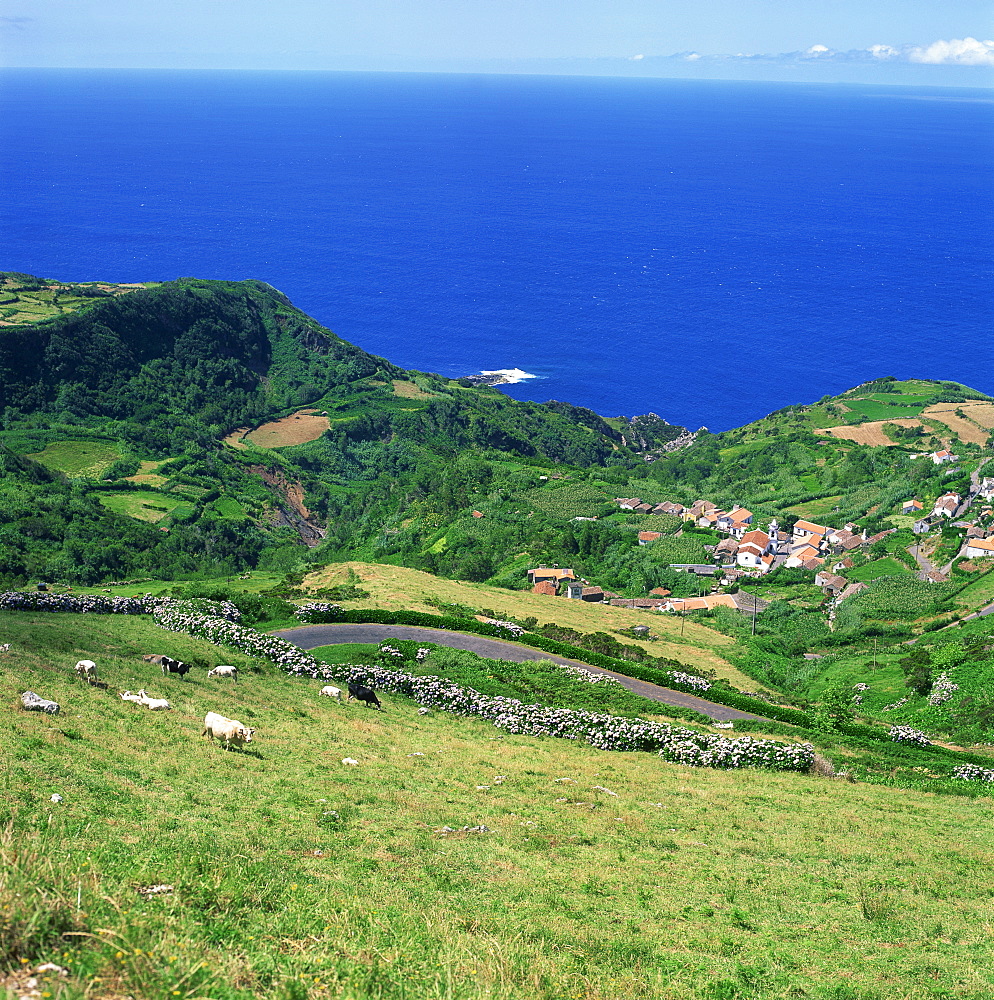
158, 376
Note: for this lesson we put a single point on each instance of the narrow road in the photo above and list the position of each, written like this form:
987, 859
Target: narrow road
924, 564
311, 636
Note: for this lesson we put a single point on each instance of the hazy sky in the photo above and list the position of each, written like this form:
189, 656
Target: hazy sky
447, 34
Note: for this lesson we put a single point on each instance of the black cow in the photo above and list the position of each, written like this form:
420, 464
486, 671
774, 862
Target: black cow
171, 666
368, 695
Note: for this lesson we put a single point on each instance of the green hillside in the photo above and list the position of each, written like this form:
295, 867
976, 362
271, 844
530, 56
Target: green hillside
290, 873
194, 432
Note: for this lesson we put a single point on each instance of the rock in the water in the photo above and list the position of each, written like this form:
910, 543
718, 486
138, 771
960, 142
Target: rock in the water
35, 703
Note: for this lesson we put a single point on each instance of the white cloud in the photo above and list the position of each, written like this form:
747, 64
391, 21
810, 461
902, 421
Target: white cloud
955, 52
884, 52
637, 58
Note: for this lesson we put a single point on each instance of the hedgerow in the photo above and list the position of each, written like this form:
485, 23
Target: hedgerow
603, 731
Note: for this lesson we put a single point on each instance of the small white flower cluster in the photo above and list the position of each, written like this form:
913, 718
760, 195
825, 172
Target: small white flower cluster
897, 704
578, 673
509, 627
422, 654
605, 732
861, 687
905, 734
388, 650
942, 690
318, 611
973, 772
689, 682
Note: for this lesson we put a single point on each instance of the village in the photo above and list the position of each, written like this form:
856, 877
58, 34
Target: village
748, 552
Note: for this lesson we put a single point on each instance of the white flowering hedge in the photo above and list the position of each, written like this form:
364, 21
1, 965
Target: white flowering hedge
75, 603
319, 612
973, 772
905, 734
605, 732
510, 629
688, 682
98, 604
578, 673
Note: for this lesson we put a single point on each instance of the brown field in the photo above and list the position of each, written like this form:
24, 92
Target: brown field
396, 588
235, 438
982, 413
408, 390
146, 474
965, 430
298, 428
871, 433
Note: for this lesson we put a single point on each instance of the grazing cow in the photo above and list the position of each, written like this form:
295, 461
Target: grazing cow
368, 695
224, 670
153, 704
171, 666
87, 669
330, 691
155, 658
231, 731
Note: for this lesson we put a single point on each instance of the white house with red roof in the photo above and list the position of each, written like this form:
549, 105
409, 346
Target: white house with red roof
755, 552
980, 548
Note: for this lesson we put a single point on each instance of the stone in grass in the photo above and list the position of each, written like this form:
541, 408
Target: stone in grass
35, 703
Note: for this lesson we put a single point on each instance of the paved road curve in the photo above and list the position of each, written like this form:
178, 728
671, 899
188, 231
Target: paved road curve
311, 636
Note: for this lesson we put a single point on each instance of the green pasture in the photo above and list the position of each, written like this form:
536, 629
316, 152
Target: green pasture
87, 458
877, 409
979, 592
145, 505
887, 566
229, 507
813, 509
292, 875
567, 499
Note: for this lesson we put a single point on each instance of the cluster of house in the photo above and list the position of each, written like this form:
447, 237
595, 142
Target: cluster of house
556, 581
750, 551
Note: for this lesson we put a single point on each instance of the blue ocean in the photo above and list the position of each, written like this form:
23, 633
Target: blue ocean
709, 251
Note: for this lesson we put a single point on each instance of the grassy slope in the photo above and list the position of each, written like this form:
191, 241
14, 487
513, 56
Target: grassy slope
398, 588
685, 883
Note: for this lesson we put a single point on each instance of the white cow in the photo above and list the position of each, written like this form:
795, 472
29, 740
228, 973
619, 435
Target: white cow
330, 691
87, 669
224, 670
152, 704
231, 731
128, 696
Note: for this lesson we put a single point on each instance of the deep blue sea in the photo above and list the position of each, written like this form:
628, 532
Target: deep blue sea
710, 251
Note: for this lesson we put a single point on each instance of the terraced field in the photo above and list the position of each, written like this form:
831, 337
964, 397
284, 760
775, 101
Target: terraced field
298, 428
145, 505
78, 459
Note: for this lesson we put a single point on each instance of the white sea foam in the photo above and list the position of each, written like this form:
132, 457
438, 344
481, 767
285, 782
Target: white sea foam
510, 375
